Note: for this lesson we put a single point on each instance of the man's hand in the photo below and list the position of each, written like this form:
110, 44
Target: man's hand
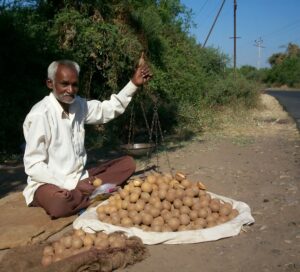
86, 185
142, 73
63, 193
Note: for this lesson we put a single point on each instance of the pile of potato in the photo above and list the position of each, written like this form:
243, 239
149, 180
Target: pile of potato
163, 203
79, 241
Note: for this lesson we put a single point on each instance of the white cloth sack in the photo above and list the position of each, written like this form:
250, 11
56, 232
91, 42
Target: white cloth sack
89, 222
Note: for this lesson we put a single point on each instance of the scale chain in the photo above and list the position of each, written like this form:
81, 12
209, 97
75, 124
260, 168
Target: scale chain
146, 121
131, 121
157, 126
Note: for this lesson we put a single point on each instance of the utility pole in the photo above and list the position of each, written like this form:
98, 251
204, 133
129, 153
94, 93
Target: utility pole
258, 44
234, 34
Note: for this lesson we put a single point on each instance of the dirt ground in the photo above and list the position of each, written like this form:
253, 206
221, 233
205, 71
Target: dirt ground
254, 159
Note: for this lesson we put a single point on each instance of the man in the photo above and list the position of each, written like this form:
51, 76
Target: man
55, 156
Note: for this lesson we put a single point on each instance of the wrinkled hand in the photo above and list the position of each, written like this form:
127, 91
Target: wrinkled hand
63, 193
86, 186
141, 75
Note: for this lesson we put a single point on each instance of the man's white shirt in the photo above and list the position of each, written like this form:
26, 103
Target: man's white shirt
55, 151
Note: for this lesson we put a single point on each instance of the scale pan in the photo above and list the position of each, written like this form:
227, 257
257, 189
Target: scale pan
139, 149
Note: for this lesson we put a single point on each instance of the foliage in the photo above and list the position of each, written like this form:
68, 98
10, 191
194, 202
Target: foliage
232, 90
22, 66
285, 67
252, 73
106, 39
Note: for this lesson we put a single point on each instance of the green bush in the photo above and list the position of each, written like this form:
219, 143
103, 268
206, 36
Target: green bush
285, 67
231, 90
253, 74
22, 70
106, 39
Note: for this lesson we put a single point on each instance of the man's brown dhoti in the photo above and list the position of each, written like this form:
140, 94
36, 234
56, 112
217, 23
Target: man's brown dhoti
59, 202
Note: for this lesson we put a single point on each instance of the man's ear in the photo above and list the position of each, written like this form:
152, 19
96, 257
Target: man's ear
49, 84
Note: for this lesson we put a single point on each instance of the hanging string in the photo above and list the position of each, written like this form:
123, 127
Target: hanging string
155, 127
131, 126
158, 127
146, 121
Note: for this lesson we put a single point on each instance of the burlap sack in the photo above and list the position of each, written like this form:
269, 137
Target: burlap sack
22, 225
29, 259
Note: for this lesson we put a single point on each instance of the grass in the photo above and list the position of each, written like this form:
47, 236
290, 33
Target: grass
243, 141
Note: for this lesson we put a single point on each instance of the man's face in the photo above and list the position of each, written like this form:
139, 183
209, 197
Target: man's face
65, 84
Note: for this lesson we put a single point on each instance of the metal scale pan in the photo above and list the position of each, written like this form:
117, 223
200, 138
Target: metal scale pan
138, 149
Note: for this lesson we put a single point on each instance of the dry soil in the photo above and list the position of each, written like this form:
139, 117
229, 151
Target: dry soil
255, 159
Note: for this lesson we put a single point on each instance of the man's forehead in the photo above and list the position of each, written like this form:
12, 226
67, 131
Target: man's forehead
64, 67
66, 70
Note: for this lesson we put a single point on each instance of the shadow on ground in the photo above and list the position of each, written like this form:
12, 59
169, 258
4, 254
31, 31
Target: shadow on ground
13, 177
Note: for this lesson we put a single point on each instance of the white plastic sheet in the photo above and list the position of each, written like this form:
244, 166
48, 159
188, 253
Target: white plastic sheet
89, 222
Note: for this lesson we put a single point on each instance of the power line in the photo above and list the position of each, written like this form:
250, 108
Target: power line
202, 7
215, 20
282, 29
209, 12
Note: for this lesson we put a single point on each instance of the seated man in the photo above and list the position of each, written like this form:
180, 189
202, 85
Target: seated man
55, 156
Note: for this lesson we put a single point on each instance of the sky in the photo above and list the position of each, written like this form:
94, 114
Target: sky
273, 22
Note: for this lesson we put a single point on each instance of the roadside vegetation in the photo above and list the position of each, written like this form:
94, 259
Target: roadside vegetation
190, 87
284, 69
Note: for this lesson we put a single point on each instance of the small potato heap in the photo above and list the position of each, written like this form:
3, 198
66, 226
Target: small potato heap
79, 241
162, 203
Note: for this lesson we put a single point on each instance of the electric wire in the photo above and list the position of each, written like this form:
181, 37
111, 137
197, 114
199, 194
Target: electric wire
202, 7
292, 24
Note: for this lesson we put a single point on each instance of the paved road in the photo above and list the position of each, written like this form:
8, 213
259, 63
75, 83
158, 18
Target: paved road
290, 100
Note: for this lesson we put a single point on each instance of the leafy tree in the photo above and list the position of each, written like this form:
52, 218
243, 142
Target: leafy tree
22, 70
276, 59
285, 67
106, 39
252, 73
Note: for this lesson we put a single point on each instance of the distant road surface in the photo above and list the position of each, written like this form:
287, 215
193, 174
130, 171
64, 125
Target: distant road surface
290, 100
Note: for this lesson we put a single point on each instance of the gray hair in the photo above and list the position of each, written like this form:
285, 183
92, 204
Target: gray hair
52, 68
